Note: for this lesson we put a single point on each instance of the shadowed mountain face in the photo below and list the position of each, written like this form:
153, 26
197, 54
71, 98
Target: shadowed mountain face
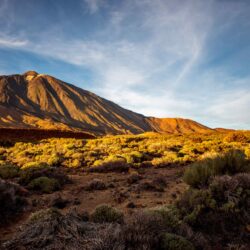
41, 101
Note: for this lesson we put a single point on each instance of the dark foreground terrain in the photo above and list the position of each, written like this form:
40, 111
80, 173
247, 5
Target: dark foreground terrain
21, 135
148, 191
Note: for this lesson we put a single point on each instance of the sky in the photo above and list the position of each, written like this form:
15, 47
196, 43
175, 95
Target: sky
162, 58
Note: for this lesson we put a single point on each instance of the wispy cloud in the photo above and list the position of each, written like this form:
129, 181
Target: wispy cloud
168, 38
12, 42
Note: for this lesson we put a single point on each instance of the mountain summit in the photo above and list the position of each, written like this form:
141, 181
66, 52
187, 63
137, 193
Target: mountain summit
34, 100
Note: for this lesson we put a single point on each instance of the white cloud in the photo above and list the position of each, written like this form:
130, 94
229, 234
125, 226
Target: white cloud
231, 107
12, 42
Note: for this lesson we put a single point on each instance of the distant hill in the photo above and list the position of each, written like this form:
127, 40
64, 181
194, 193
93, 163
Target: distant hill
224, 130
177, 125
33, 100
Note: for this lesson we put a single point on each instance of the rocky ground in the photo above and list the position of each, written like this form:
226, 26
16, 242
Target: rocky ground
129, 192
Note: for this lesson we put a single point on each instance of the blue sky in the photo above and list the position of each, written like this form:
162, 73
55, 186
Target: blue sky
165, 58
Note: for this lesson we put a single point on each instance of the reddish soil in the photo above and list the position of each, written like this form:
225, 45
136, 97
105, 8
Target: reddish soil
119, 193
10, 134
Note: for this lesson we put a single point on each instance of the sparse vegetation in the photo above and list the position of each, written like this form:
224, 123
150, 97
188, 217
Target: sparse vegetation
118, 153
12, 201
49, 229
96, 184
221, 210
8, 171
105, 213
28, 176
212, 212
236, 137
44, 184
200, 173
176, 242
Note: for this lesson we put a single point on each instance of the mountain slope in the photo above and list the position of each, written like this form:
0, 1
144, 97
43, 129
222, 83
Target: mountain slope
177, 125
36, 100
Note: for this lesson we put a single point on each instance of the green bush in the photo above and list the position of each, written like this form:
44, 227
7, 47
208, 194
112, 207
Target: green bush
221, 210
235, 162
44, 184
200, 173
8, 171
105, 213
43, 214
143, 231
176, 242
170, 217
27, 175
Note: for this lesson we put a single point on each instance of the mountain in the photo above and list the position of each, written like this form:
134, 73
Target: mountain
33, 100
224, 130
177, 125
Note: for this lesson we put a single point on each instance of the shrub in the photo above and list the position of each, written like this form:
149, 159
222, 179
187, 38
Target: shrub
176, 242
105, 213
200, 173
143, 231
236, 137
55, 160
12, 201
156, 185
76, 163
134, 157
106, 237
31, 165
27, 175
166, 160
235, 162
96, 184
44, 214
134, 178
222, 210
8, 171
247, 152
44, 184
170, 217
232, 193
160, 182
49, 229
111, 166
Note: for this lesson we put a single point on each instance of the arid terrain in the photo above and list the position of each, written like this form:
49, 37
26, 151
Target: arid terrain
12, 135
116, 190
136, 176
